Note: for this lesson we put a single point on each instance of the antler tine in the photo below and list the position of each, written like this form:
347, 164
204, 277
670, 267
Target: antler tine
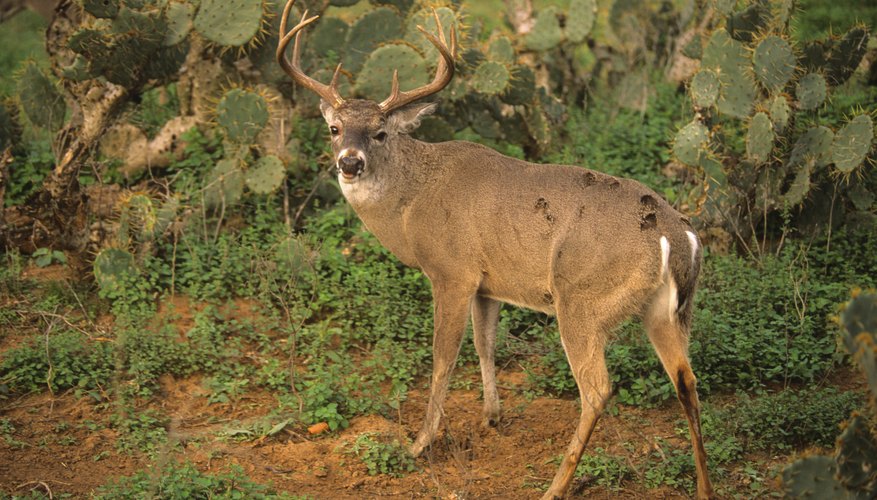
444, 71
329, 93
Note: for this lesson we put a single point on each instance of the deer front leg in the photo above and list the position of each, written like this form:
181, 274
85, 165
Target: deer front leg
451, 312
485, 316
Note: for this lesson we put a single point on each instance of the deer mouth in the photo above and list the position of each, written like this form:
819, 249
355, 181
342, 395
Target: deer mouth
350, 172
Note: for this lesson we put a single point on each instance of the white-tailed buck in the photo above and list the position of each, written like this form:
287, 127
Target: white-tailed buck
485, 228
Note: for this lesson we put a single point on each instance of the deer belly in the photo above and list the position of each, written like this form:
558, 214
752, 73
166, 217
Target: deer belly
536, 296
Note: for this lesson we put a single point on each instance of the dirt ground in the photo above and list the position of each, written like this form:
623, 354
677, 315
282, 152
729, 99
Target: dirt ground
65, 445
56, 449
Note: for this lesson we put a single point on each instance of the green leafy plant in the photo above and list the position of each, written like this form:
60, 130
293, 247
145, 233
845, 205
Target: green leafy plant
44, 257
382, 455
186, 481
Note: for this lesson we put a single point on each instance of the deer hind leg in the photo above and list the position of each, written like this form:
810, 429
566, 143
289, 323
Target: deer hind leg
485, 316
584, 351
451, 314
669, 334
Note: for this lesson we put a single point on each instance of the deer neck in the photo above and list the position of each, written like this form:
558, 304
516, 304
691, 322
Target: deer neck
395, 179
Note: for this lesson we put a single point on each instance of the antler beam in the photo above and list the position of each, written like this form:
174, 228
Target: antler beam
329, 93
443, 76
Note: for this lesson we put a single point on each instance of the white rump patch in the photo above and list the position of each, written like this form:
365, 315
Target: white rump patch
692, 238
665, 258
668, 293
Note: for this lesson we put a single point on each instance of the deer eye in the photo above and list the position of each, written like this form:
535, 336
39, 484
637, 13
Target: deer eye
334, 130
381, 136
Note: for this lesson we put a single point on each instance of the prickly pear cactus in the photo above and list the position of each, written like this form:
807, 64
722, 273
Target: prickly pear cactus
266, 175
242, 114
137, 219
231, 23
546, 33
490, 78
110, 267
704, 88
759, 140
692, 143
752, 72
225, 184
852, 471
852, 143
812, 478
811, 91
40, 100
373, 81
859, 321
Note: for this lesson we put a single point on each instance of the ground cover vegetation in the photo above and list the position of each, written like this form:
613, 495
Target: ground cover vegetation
188, 307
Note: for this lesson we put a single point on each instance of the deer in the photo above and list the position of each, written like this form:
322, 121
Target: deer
486, 229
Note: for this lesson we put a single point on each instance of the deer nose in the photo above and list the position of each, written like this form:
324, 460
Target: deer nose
351, 166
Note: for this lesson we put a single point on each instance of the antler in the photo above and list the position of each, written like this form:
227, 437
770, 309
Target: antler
329, 93
444, 72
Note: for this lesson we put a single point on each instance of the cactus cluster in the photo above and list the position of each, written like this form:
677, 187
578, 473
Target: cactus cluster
131, 43
491, 86
751, 71
242, 115
852, 471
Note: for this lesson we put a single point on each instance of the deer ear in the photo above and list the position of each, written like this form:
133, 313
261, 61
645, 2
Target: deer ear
327, 110
407, 118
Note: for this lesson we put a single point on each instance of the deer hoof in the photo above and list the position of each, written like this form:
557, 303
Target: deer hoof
490, 421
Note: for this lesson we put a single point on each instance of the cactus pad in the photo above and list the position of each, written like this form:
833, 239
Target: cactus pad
40, 100
179, 17
266, 175
694, 48
522, 87
774, 62
374, 80
580, 20
812, 478
859, 321
729, 59
546, 33
242, 114
692, 143
800, 186
747, 23
425, 18
111, 266
810, 91
231, 23
704, 88
852, 143
137, 219
856, 457
401, 5
490, 78
846, 55
225, 184
328, 35
759, 139
779, 112
368, 32
101, 8
501, 50
814, 144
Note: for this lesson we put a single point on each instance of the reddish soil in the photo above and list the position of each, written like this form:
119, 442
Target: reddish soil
62, 444
55, 449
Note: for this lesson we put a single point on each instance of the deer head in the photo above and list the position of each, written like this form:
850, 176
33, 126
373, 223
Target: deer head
363, 130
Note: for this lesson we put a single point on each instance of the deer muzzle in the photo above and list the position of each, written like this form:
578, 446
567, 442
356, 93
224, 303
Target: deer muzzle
351, 165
